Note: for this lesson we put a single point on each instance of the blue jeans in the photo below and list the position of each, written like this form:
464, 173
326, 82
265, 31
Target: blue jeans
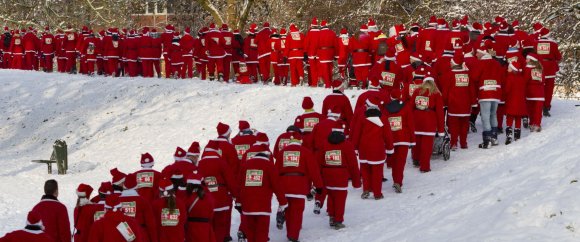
488, 112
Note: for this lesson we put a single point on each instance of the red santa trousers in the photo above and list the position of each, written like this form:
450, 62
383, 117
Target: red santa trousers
258, 228
253, 70
372, 176
91, 66
264, 67
361, 73
6, 58
83, 65
71, 60
112, 66
549, 92
167, 68
201, 67
177, 69
312, 72
188, 66
294, 217
100, 65
325, 72
337, 204
221, 224
29, 58
18, 62
48, 62
458, 129
282, 73
422, 151
510, 121
399, 158
132, 68
535, 112
227, 67
61, 64
500, 114
296, 71
199, 231
213, 64
147, 67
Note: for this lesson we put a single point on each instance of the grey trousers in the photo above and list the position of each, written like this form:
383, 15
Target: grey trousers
488, 112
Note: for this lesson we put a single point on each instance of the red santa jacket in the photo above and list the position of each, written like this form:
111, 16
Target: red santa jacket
275, 44
165, 39
298, 170
428, 107
215, 44
26, 235
426, 42
199, 49
360, 48
515, 93
338, 99
148, 183
157, 49
219, 180
491, 78
200, 218
114, 226
91, 48
326, 45
294, 45
170, 224
145, 51
54, 217
228, 152
242, 142
263, 42
251, 49
323, 129
131, 45
229, 42
311, 43
70, 42
338, 164
306, 123
259, 180
16, 46
140, 209
284, 140
343, 49
112, 48
547, 50
458, 92
402, 126
175, 54
187, 42
30, 41
84, 217
373, 138
535, 81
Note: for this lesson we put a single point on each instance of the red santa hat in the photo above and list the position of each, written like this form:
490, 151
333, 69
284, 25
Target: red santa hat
314, 22
441, 23
537, 27
516, 24
544, 32
515, 66
106, 188
212, 26
293, 28
416, 57
374, 84
113, 202
147, 160
34, 219
145, 31
266, 25
373, 102
476, 27
251, 31
372, 25
193, 149
283, 32
433, 21
338, 84
334, 112
169, 28
262, 139
243, 125
307, 103
46, 29
223, 129
130, 181
364, 28
225, 27
457, 58
165, 185
118, 177
415, 27
499, 19
180, 154
237, 32
343, 32
6, 29
455, 24
504, 26
195, 178
211, 149
419, 73
428, 79
84, 190
532, 56
458, 44
464, 20
187, 30
324, 24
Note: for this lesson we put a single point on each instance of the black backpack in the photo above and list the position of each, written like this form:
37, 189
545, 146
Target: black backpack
7, 39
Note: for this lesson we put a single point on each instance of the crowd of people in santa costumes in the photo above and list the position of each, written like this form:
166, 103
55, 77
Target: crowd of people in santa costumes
419, 82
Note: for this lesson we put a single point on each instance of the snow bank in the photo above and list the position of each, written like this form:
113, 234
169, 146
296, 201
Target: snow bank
527, 191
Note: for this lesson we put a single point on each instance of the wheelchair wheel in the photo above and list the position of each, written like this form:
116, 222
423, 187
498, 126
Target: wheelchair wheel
446, 150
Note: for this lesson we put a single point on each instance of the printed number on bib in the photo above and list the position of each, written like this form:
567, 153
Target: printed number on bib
241, 150
461, 80
333, 158
126, 231
129, 208
48, 41
254, 178
309, 124
116, 44
70, 37
169, 218
295, 35
396, 123
536, 75
543, 48
489, 85
98, 215
145, 179
17, 41
421, 102
291, 159
388, 78
211, 183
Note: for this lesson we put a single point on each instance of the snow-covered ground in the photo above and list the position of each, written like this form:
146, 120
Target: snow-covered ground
528, 191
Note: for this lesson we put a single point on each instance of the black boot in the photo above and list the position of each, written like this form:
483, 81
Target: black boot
211, 78
500, 130
526, 122
547, 112
486, 140
494, 141
472, 120
517, 134
221, 77
508, 135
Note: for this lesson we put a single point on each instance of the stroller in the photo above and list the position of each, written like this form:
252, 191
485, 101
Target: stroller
442, 144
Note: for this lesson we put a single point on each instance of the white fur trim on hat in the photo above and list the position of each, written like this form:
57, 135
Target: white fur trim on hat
429, 79
511, 66
194, 181
531, 58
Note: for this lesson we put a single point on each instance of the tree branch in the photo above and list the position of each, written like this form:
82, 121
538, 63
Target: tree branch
209, 7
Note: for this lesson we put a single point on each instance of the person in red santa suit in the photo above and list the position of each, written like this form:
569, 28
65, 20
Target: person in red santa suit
131, 53
200, 54
283, 67
310, 49
145, 53
175, 54
292, 133
53, 213
251, 52
442, 36
216, 53
274, 54
200, 207
380, 39
338, 162
148, 179
225, 148
117, 180
342, 52
535, 79
115, 226
244, 139
112, 46
259, 180
373, 91
519, 34
100, 61
138, 208
374, 141
549, 56
400, 117
16, 51
105, 190
325, 53
69, 46
338, 99
219, 179
181, 163
187, 43
264, 51
90, 49
307, 121
442, 65
428, 107
387, 72
515, 92
229, 45
84, 213
295, 53
458, 96
157, 52
170, 214
29, 41
5, 41
412, 37
360, 45
298, 170
237, 52
166, 40
34, 231
60, 53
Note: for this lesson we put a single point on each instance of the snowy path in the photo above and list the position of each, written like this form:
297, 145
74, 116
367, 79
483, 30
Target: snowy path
524, 192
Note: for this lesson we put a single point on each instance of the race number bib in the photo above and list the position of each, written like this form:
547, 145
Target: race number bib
116, 44
461, 80
543, 48
254, 178
309, 124
428, 45
295, 35
70, 37
388, 78
249, 155
243, 69
399, 47
17, 41
211, 183
228, 40
345, 40
98, 215
241, 150
169, 218
91, 49
126, 231
421, 102
129, 208
48, 41
536, 75
489, 85
396, 123
333, 158
291, 159
412, 88
145, 179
